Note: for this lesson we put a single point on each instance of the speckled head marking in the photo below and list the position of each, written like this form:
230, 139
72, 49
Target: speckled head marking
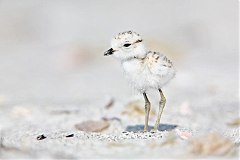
127, 45
126, 34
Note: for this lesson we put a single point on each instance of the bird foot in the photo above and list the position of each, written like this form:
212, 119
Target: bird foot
154, 130
145, 130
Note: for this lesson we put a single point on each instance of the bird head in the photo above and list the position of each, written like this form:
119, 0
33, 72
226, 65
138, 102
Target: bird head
127, 45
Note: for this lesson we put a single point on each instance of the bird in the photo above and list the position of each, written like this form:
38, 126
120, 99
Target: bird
144, 69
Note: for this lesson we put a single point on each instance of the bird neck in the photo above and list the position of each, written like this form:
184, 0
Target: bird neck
140, 58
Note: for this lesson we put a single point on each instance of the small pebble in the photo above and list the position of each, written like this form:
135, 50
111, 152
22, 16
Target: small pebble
70, 135
41, 137
110, 104
92, 126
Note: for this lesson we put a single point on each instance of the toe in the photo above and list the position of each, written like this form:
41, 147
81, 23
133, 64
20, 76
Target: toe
153, 130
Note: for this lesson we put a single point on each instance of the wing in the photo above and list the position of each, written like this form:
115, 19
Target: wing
160, 64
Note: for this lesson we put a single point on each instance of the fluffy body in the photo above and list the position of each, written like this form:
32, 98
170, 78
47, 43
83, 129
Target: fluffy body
144, 69
151, 72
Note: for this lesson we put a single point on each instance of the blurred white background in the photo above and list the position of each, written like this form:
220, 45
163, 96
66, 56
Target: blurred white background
52, 51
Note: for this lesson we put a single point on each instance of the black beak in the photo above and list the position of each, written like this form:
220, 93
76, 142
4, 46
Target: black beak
109, 52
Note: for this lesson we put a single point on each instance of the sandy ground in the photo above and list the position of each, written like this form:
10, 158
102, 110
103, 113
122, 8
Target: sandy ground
196, 110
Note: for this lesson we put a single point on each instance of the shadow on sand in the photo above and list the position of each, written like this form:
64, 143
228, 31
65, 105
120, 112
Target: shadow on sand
161, 127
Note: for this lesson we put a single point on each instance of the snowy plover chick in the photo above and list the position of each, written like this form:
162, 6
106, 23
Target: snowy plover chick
144, 69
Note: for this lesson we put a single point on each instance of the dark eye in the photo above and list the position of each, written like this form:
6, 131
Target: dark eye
127, 45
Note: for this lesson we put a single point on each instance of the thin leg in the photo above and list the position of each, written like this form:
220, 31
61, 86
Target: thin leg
161, 106
147, 109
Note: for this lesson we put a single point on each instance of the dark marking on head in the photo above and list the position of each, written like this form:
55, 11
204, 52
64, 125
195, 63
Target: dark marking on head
165, 58
129, 32
138, 41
